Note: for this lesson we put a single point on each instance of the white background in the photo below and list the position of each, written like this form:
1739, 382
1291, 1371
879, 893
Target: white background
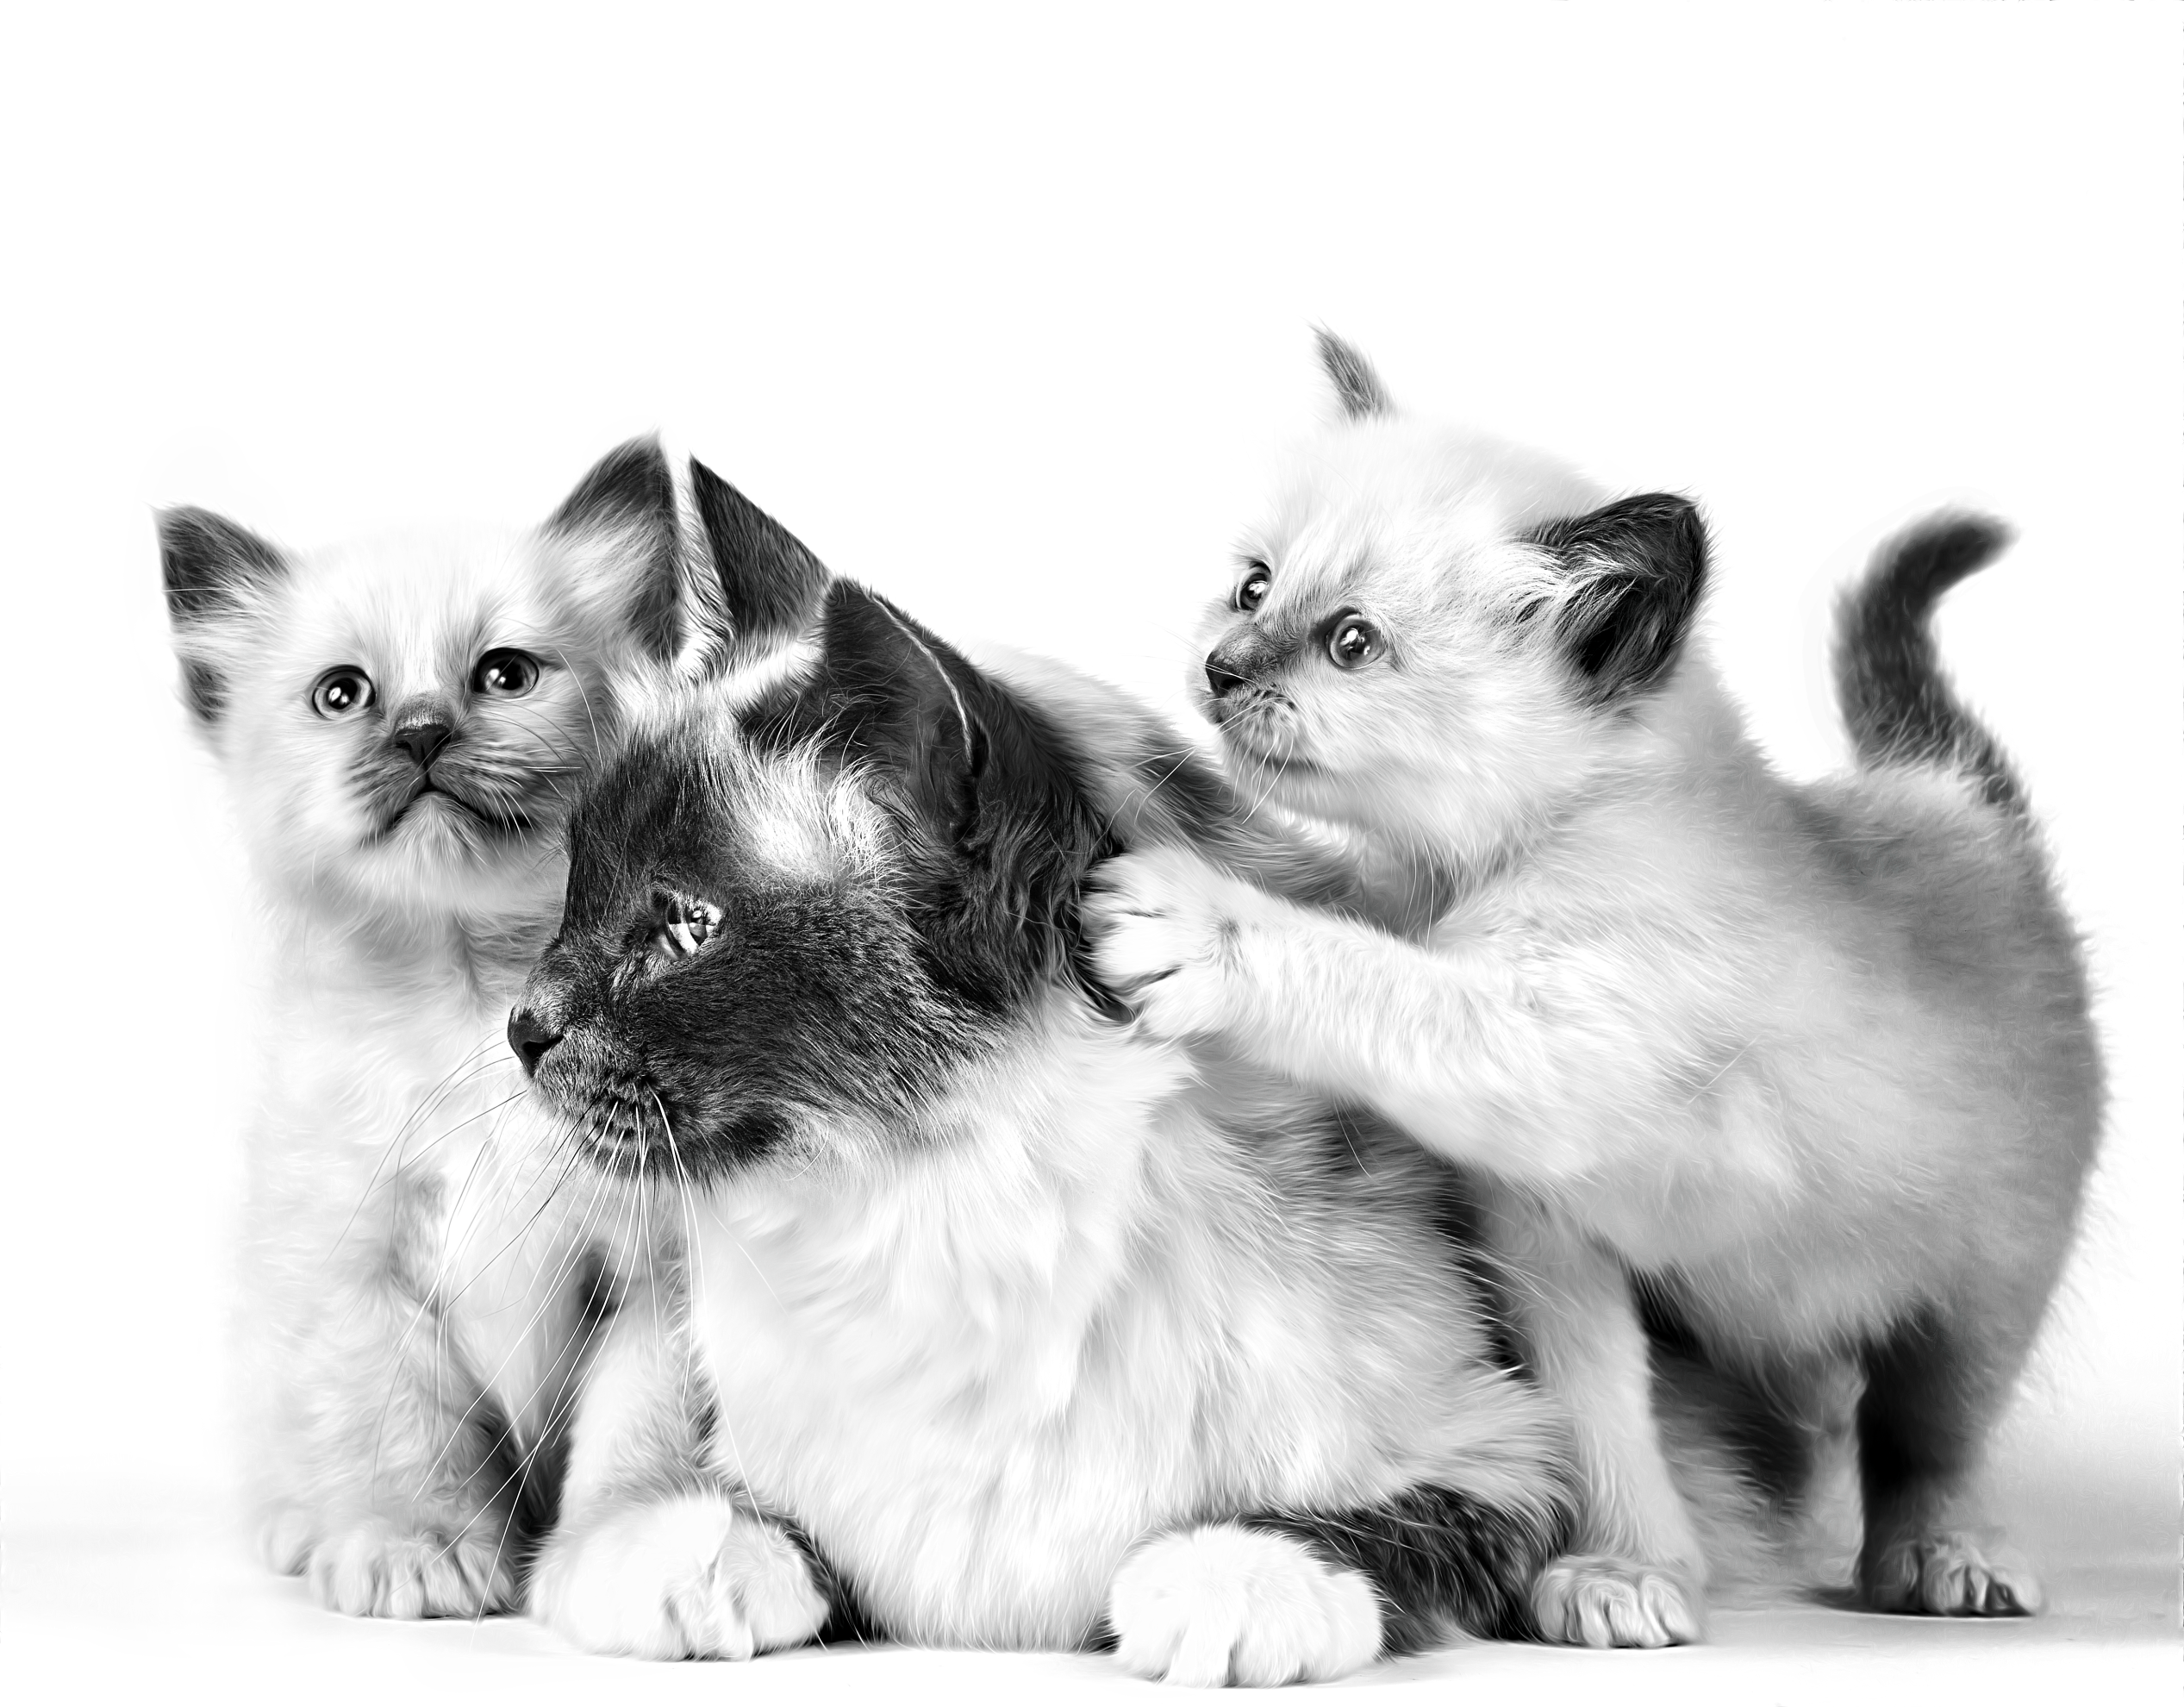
1002, 313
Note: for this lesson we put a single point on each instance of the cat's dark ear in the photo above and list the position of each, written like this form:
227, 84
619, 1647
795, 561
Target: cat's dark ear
1640, 566
998, 792
627, 503
212, 569
771, 587
1357, 388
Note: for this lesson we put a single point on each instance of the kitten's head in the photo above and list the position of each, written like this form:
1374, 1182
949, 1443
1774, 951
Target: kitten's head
805, 894
1430, 632
403, 723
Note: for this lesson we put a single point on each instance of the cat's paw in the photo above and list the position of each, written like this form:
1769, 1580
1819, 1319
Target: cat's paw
696, 1577
1166, 929
1589, 1600
1946, 1575
374, 1567
1224, 1604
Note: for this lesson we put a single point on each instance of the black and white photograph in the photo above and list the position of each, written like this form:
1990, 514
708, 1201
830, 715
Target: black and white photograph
1031, 854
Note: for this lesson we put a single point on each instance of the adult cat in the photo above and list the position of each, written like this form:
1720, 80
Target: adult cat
1005, 1326
401, 726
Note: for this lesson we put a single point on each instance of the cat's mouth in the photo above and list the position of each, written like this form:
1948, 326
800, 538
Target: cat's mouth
1241, 737
502, 819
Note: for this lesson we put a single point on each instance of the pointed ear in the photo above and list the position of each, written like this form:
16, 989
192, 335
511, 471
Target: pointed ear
212, 569
628, 500
1636, 569
1357, 388
1009, 825
770, 585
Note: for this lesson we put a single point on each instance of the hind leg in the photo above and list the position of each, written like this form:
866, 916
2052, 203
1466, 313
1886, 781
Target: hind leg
1931, 1390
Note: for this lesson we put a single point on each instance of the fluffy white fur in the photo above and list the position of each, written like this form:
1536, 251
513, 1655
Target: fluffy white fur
1813, 1054
413, 1272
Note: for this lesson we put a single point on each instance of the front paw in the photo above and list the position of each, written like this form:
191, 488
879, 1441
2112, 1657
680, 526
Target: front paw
1166, 931
696, 1577
1947, 1575
374, 1567
1593, 1601
1224, 1604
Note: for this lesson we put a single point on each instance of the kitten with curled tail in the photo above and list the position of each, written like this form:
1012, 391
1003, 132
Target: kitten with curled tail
1809, 1065
401, 726
1003, 1324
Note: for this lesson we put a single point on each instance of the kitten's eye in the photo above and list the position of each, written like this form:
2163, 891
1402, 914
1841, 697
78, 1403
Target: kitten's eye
341, 692
505, 673
1352, 641
1252, 593
686, 925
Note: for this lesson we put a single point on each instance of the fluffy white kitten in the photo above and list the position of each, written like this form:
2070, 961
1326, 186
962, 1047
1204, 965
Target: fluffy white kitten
401, 726
1813, 1063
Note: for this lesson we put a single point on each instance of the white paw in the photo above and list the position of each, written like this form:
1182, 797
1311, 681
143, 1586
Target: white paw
694, 1577
1223, 1604
1946, 1575
1165, 934
1592, 1601
374, 1567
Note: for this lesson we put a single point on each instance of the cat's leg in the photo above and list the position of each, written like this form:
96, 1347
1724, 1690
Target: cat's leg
1932, 1388
394, 1474
1636, 1574
1543, 1071
656, 1555
1278, 1597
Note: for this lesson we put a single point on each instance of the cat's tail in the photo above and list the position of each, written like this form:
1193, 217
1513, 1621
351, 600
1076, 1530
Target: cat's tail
1901, 707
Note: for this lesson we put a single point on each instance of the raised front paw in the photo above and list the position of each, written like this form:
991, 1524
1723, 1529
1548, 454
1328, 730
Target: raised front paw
1589, 1600
375, 1567
1946, 1575
1225, 1604
1166, 929
696, 1577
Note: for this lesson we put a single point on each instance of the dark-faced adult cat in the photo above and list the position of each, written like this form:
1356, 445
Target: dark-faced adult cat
1815, 1061
401, 726
1006, 1325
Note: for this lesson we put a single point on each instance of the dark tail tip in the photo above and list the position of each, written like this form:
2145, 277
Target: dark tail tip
1896, 699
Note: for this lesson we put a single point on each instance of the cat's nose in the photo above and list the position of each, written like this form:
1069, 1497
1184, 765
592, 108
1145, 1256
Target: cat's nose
1220, 676
530, 1039
423, 739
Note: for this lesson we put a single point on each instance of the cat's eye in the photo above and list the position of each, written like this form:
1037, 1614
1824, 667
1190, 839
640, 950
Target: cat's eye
686, 925
341, 692
1353, 641
1250, 591
504, 673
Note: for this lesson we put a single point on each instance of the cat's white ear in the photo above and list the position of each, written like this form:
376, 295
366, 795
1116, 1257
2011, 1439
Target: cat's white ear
771, 587
623, 516
1634, 570
1357, 388
214, 572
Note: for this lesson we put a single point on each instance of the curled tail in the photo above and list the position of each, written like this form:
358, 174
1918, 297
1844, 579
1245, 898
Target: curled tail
1900, 706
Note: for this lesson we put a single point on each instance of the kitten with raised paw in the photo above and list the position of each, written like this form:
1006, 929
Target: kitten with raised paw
1810, 1065
401, 726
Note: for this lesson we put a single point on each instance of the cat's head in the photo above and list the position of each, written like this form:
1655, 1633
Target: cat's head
1432, 632
805, 895
402, 724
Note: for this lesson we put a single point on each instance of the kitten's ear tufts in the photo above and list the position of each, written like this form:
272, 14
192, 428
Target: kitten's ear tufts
629, 485
1357, 388
1637, 568
211, 569
629, 496
770, 586
210, 565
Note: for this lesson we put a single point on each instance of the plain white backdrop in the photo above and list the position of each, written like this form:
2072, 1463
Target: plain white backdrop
1002, 312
